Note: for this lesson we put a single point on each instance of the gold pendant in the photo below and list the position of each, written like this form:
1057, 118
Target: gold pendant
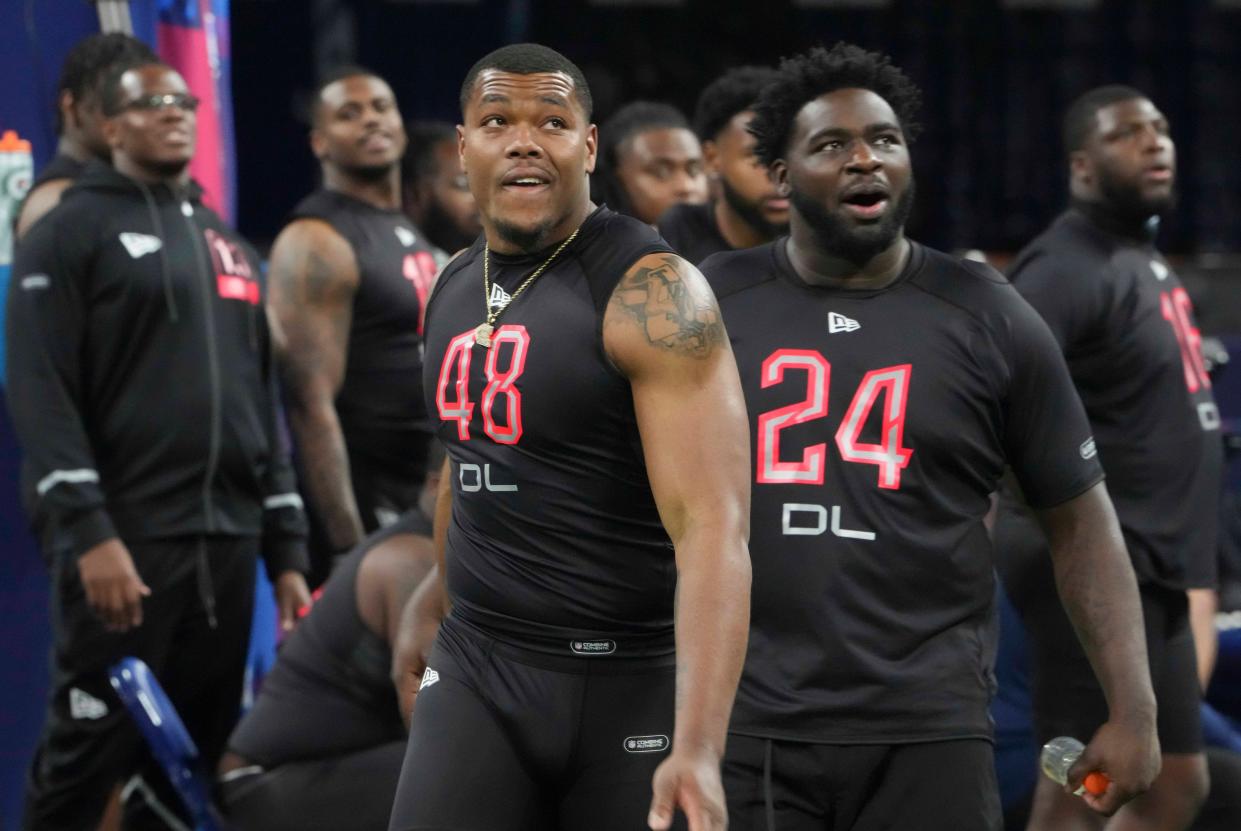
482, 335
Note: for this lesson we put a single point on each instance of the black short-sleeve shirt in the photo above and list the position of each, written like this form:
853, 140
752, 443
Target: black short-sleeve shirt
692, 231
1126, 327
555, 542
881, 421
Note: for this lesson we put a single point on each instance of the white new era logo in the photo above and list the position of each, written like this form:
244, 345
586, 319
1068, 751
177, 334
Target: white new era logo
840, 323
405, 235
84, 705
139, 245
499, 298
428, 678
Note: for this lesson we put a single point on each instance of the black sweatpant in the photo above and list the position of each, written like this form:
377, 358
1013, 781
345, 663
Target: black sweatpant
89, 743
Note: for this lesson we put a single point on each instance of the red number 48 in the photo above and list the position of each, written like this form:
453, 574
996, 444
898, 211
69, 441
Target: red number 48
452, 396
890, 456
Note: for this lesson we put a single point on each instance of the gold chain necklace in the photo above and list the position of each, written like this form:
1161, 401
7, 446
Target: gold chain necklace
482, 333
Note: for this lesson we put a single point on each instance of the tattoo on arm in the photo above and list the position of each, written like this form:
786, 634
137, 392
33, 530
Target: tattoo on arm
672, 315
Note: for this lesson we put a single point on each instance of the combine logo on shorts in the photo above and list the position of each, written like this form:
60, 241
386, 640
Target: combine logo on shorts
646, 744
428, 678
593, 647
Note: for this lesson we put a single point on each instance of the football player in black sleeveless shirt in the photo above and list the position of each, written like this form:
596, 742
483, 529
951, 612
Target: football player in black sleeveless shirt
349, 279
585, 390
888, 386
1126, 326
745, 209
79, 120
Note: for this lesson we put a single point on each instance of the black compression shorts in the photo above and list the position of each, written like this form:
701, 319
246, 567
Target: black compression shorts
800, 786
505, 739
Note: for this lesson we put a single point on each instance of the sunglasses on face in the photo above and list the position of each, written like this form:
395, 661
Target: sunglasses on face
180, 100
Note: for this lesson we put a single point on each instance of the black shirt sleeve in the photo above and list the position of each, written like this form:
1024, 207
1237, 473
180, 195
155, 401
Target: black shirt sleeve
44, 330
1047, 436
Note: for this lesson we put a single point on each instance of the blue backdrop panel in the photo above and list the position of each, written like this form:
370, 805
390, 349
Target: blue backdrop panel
34, 37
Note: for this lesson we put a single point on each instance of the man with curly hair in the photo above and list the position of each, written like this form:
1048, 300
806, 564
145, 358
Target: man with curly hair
745, 209
889, 386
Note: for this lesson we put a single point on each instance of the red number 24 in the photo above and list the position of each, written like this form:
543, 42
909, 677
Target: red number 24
890, 456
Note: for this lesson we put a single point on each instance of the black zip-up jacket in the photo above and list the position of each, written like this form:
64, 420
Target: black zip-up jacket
140, 375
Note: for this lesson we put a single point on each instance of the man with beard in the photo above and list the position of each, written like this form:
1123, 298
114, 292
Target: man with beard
142, 389
79, 123
349, 279
1125, 324
436, 195
593, 520
746, 210
888, 385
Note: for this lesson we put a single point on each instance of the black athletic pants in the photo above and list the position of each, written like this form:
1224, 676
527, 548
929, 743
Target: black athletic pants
352, 792
775, 785
89, 743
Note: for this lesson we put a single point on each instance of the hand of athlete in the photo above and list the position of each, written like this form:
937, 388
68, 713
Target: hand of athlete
420, 623
1127, 752
689, 781
292, 594
114, 590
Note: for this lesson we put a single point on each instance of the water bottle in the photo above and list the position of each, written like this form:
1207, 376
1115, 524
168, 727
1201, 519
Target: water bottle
1058, 756
16, 171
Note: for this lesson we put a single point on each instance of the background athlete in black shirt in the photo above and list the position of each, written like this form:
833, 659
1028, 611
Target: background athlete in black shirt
349, 278
888, 386
322, 746
1127, 330
649, 160
435, 195
79, 120
599, 408
745, 209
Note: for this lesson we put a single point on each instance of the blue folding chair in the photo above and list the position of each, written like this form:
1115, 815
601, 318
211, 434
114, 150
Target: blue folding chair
166, 736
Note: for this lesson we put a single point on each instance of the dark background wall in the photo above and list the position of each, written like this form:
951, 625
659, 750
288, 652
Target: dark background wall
995, 81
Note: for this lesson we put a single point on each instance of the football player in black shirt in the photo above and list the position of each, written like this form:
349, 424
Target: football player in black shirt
79, 120
888, 386
584, 387
649, 160
349, 279
436, 195
745, 209
1126, 327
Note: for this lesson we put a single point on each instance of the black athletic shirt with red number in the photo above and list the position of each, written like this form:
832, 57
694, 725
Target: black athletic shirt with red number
881, 421
380, 403
1126, 326
555, 542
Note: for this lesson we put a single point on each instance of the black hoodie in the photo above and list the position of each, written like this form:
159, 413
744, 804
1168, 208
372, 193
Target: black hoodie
140, 375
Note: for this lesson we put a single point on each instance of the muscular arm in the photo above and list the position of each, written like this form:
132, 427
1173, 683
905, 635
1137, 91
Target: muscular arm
663, 330
1100, 594
38, 202
420, 618
313, 278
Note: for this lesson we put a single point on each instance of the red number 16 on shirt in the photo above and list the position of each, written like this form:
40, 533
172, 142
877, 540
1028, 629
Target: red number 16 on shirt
890, 456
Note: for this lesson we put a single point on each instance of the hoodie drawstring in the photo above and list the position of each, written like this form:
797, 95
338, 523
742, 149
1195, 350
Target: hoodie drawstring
165, 269
206, 593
